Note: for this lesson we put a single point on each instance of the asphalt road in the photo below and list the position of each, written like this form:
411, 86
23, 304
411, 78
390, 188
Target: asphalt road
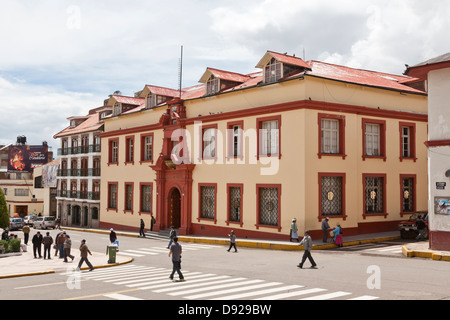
213, 273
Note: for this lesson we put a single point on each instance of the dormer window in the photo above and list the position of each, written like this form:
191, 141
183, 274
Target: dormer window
212, 85
117, 109
152, 100
273, 71
73, 123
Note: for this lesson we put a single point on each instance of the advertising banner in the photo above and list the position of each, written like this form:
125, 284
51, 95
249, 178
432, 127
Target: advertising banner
24, 158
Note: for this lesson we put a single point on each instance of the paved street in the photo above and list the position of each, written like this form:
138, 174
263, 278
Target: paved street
370, 272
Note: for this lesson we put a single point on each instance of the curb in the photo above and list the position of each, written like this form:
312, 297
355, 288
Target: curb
424, 254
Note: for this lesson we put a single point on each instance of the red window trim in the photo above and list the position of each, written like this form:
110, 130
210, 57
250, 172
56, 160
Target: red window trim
258, 224
343, 209
230, 141
142, 147
341, 120
127, 149
382, 124
110, 141
202, 129
235, 185
141, 184
199, 217
259, 122
109, 197
412, 138
378, 175
402, 176
125, 197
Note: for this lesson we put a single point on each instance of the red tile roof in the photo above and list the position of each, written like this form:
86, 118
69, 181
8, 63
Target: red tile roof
224, 75
128, 100
161, 91
92, 123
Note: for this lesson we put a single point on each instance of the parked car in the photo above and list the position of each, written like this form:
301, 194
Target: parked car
408, 228
44, 222
29, 220
15, 223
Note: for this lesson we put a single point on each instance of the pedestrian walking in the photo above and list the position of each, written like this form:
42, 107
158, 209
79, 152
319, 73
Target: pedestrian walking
175, 252
141, 230
172, 236
325, 227
60, 238
37, 242
420, 223
294, 231
67, 248
58, 223
84, 250
232, 236
47, 241
26, 233
112, 236
307, 245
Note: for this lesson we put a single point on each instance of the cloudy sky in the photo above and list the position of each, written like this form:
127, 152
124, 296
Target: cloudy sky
61, 58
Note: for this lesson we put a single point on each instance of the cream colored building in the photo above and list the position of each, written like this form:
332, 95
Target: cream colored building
250, 152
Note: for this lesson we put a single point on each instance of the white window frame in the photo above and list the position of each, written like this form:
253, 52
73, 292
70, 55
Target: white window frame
330, 136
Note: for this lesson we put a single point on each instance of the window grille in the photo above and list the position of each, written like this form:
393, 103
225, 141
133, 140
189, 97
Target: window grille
331, 196
235, 204
208, 200
374, 194
268, 206
408, 194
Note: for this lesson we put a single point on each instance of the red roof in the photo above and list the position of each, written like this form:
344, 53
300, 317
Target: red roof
128, 100
359, 76
224, 75
161, 91
90, 124
284, 58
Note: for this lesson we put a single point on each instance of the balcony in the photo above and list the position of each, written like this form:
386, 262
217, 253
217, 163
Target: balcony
81, 195
79, 172
93, 148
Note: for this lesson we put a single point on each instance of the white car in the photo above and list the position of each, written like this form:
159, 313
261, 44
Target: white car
45, 222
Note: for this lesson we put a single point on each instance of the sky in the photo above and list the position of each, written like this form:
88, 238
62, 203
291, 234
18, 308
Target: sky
60, 58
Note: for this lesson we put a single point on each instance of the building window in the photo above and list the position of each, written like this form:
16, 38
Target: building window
269, 136
235, 196
374, 195
21, 192
146, 198
408, 193
113, 151
147, 148
331, 135
112, 196
209, 142
129, 156
332, 195
128, 197
235, 137
374, 139
407, 141
268, 205
212, 85
207, 201
273, 71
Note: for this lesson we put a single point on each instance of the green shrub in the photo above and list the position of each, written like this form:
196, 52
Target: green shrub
5, 245
14, 245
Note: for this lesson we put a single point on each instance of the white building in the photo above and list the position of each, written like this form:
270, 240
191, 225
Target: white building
436, 76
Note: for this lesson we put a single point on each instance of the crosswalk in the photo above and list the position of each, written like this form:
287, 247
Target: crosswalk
205, 286
152, 251
385, 250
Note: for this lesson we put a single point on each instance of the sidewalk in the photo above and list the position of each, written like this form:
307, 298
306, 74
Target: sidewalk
25, 264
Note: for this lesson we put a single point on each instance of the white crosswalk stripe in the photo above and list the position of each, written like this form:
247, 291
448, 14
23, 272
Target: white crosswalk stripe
142, 252
199, 285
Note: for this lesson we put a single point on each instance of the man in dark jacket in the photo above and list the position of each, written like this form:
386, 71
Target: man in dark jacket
84, 250
47, 241
37, 242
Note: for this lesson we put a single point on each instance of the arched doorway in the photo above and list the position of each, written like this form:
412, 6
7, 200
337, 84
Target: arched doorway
174, 217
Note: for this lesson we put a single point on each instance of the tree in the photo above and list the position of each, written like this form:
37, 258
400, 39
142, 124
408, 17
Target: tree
4, 214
